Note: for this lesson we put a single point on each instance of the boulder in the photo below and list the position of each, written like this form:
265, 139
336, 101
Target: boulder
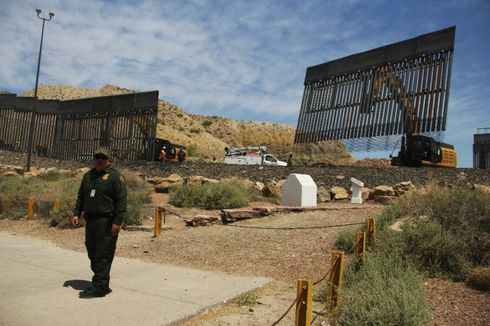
383, 191
163, 187
194, 180
483, 188
9, 174
259, 185
365, 193
339, 193
174, 178
324, 195
340, 177
209, 180
154, 180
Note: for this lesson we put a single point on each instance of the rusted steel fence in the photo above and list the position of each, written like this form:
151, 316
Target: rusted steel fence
373, 96
73, 129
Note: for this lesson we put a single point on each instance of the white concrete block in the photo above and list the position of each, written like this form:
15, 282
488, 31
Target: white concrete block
299, 190
356, 190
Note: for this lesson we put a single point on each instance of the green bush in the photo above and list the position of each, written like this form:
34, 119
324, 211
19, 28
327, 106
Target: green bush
207, 123
192, 150
62, 187
346, 239
435, 250
210, 196
460, 211
385, 291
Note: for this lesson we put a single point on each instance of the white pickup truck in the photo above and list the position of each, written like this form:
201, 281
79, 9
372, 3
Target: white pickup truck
258, 157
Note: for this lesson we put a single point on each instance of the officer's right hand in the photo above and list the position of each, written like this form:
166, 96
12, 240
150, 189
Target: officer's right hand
74, 221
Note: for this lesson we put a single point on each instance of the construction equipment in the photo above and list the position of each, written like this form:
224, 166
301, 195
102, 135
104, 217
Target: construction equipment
252, 155
372, 99
416, 150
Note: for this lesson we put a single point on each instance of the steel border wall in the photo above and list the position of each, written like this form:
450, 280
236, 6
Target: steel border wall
339, 100
73, 129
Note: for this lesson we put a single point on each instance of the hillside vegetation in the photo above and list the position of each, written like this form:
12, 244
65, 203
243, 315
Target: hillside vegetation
207, 136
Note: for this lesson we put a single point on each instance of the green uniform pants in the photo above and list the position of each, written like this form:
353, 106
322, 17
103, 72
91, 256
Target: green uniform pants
101, 246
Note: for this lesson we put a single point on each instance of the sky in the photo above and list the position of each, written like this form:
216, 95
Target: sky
238, 59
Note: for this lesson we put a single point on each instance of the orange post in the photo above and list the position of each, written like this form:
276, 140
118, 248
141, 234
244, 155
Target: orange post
371, 231
335, 279
30, 208
304, 303
158, 222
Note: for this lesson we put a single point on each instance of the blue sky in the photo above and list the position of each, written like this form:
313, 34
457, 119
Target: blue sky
238, 59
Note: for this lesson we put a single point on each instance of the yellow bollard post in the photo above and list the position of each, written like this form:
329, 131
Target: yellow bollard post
304, 295
158, 223
335, 279
360, 246
30, 208
370, 231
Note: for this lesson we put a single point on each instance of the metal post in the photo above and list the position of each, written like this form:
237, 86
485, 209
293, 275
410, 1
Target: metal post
34, 109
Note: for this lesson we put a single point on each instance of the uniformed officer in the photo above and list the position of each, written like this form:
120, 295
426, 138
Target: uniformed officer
102, 199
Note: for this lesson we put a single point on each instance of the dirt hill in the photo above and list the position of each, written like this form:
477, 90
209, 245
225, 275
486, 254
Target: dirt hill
207, 136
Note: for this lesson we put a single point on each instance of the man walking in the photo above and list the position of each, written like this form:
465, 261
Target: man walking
102, 199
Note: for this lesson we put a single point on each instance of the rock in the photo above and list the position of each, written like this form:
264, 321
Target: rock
259, 185
483, 188
194, 180
9, 174
174, 178
80, 171
339, 177
324, 195
384, 200
163, 187
365, 194
339, 193
154, 180
208, 180
383, 191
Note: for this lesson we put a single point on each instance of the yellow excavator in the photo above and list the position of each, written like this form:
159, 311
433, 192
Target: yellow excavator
416, 150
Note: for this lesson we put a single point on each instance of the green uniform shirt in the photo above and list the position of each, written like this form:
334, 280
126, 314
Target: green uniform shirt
102, 193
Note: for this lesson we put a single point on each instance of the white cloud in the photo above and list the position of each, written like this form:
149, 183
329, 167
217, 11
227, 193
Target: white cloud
243, 59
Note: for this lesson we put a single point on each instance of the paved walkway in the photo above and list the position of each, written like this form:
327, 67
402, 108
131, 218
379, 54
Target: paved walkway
39, 285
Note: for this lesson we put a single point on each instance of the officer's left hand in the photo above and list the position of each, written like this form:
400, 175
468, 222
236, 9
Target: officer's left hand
115, 229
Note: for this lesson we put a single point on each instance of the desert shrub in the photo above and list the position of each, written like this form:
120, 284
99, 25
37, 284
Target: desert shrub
138, 194
385, 291
191, 150
434, 250
209, 196
479, 278
389, 214
207, 123
15, 194
460, 211
346, 239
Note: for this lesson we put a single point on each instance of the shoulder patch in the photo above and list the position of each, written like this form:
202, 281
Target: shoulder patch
105, 176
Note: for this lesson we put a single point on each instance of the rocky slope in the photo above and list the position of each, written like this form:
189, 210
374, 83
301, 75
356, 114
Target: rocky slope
207, 136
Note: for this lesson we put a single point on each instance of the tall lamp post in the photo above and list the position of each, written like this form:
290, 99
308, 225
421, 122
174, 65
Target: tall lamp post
34, 109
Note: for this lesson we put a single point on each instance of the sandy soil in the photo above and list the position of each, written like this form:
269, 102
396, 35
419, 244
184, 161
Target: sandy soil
242, 249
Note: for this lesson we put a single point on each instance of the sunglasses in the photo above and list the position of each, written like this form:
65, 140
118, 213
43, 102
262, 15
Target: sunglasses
100, 157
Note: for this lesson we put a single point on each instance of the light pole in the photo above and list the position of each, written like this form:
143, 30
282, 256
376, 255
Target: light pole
34, 109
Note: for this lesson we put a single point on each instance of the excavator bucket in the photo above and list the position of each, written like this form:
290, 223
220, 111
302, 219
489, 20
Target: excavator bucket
370, 99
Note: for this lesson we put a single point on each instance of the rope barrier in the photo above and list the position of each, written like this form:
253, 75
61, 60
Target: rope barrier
299, 296
292, 228
289, 308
